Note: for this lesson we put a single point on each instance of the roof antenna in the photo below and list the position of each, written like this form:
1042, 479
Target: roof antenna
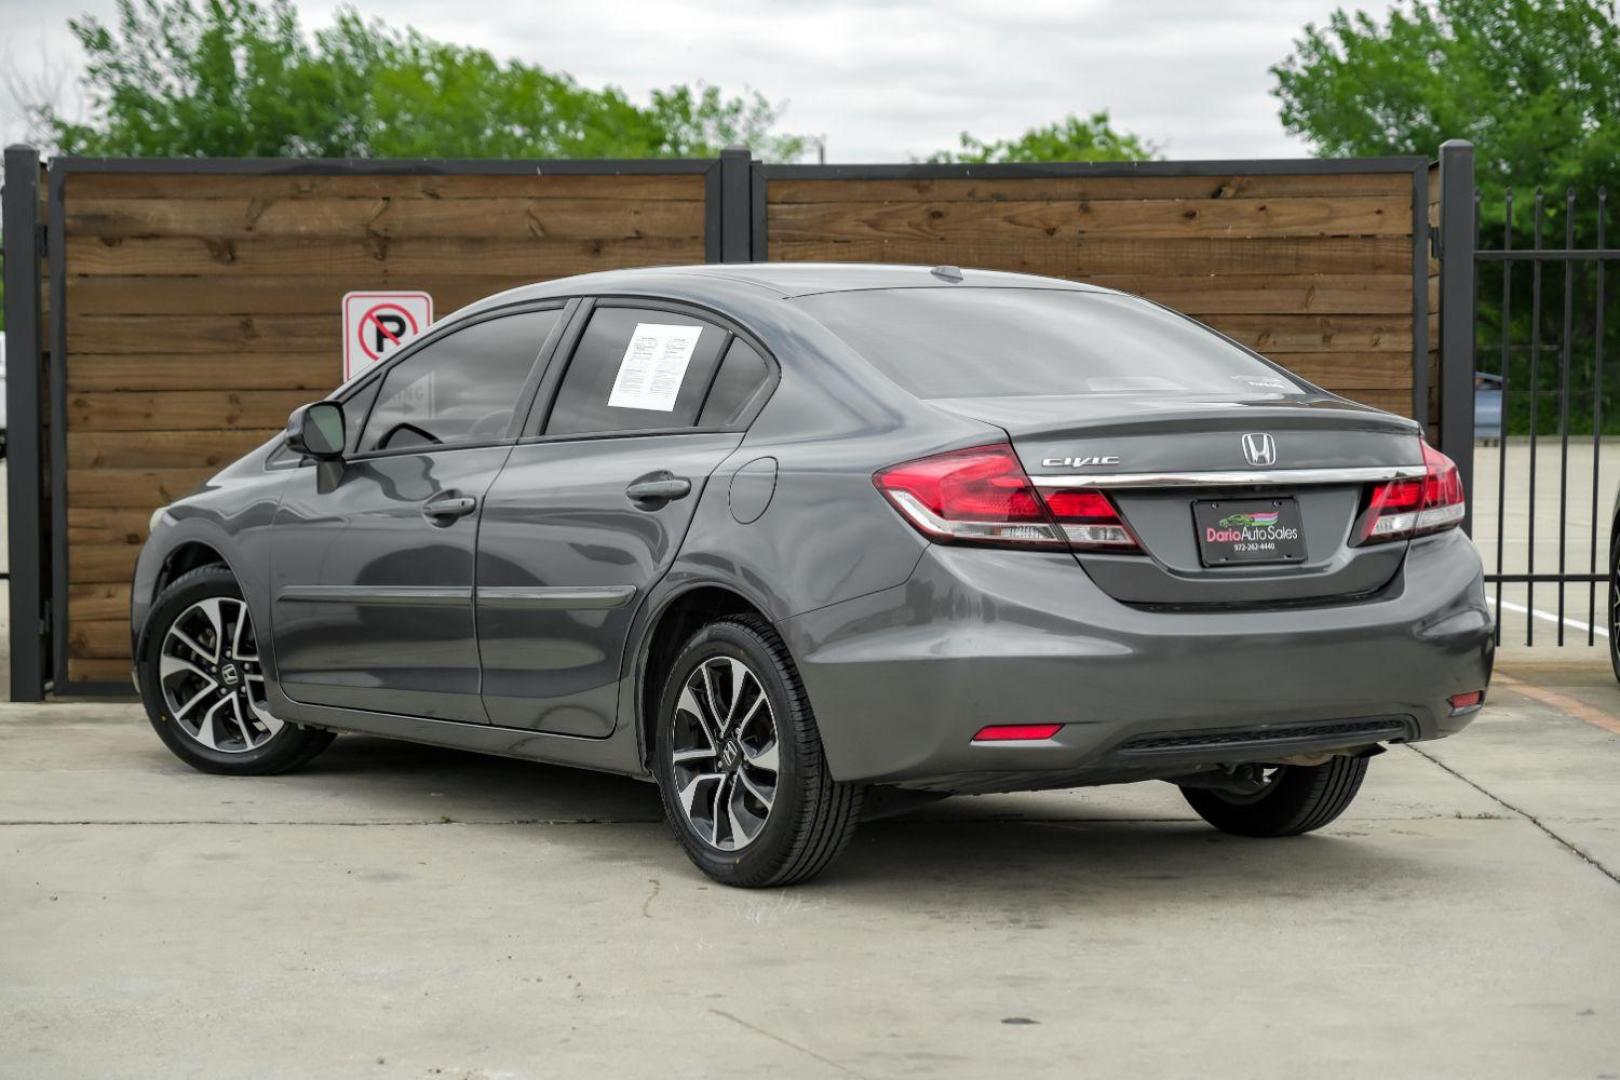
947, 273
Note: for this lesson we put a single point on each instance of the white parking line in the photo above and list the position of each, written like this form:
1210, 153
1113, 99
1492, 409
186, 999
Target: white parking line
1549, 616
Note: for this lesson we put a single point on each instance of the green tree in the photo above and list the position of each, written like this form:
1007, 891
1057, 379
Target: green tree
1070, 139
1535, 86
236, 78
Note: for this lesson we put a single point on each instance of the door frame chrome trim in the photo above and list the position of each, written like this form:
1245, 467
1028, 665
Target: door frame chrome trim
555, 597
1236, 477
376, 595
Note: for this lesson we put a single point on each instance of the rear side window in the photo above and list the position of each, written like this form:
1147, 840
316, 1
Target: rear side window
637, 369
967, 342
743, 375
461, 388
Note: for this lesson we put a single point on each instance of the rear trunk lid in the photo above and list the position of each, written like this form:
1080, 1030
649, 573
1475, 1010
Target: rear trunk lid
1178, 467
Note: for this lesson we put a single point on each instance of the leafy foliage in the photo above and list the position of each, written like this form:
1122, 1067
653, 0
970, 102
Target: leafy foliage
235, 78
1535, 86
1071, 139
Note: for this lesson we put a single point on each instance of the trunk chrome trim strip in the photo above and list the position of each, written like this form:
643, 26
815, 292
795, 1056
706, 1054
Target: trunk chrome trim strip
556, 598
380, 595
1236, 477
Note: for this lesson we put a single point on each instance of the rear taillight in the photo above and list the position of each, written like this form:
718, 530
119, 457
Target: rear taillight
1401, 509
1089, 521
982, 495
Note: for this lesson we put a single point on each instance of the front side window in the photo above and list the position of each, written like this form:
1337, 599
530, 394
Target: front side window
461, 388
637, 369
976, 342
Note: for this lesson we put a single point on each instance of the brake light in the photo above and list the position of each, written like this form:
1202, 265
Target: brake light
982, 495
1089, 521
1405, 508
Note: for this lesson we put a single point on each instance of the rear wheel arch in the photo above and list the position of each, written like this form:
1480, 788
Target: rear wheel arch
681, 616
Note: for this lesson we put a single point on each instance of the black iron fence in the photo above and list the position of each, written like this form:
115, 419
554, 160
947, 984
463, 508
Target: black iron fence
1544, 336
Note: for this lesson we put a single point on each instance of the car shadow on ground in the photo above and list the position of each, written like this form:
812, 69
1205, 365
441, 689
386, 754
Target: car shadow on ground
1040, 849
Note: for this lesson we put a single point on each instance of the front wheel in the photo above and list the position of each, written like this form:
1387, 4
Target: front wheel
1284, 800
203, 684
739, 762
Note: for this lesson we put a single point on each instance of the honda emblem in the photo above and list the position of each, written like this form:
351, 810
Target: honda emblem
1259, 448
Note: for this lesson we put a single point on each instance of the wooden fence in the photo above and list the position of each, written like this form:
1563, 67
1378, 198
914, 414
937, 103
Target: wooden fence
192, 305
201, 308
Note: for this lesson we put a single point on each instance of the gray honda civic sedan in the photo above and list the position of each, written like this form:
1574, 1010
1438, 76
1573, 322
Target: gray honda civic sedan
806, 543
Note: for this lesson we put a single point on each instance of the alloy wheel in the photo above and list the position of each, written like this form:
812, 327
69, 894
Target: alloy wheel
211, 679
724, 753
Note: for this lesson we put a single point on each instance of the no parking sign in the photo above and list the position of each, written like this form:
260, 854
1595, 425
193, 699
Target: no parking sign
377, 323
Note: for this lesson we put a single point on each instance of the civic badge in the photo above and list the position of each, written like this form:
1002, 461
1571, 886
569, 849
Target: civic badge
1259, 448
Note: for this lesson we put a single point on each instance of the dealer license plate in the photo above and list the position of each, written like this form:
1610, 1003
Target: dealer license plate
1249, 531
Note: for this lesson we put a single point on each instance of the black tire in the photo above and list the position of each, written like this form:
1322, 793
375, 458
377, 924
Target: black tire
1297, 799
282, 750
1614, 600
812, 816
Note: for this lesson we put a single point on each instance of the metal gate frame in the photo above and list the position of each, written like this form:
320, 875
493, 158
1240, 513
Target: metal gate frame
736, 225
1539, 257
25, 537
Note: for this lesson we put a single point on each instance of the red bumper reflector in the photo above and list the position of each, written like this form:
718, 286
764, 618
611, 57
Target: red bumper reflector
1012, 732
1470, 700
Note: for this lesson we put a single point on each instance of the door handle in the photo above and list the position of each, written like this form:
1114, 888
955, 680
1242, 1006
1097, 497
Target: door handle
443, 509
656, 489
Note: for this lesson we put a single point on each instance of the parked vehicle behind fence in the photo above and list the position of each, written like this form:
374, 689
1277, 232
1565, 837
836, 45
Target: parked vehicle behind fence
780, 537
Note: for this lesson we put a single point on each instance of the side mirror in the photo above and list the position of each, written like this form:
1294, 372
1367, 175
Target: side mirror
317, 430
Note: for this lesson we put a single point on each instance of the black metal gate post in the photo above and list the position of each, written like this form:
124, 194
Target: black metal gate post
736, 215
1456, 250
24, 493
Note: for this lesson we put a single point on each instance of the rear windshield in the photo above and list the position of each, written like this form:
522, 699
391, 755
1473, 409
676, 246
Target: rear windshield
967, 342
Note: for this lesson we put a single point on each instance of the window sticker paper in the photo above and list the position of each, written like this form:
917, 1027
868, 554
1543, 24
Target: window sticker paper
654, 366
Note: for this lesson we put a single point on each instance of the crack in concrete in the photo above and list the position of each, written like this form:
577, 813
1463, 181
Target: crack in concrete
757, 1030
1567, 845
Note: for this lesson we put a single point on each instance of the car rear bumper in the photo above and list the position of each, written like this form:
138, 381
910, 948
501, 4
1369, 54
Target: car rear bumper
902, 679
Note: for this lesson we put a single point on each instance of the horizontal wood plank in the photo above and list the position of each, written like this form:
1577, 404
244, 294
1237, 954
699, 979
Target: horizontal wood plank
1346, 370
1395, 401
102, 601
102, 639
1249, 294
194, 449
272, 334
131, 489
534, 259
182, 410
1088, 189
315, 372
1313, 333
246, 219
266, 294
1063, 222
102, 564
104, 525
1108, 255
87, 670
638, 188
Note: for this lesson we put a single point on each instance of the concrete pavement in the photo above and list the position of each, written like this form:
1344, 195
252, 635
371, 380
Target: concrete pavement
404, 911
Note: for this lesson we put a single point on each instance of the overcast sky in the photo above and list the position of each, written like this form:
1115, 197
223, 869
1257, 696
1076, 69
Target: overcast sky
882, 80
